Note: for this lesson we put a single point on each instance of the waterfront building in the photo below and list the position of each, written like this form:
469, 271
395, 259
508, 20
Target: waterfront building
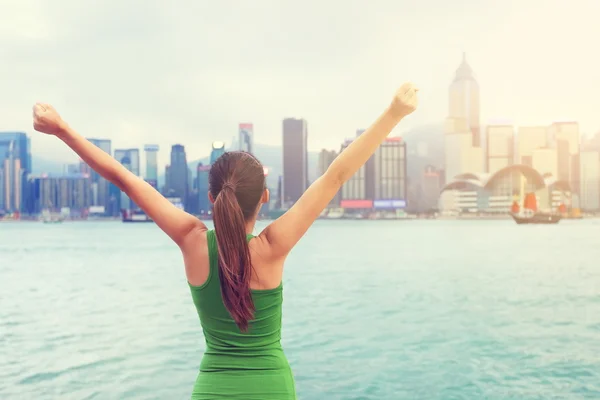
151, 151
295, 159
130, 159
15, 166
500, 147
246, 137
590, 180
530, 138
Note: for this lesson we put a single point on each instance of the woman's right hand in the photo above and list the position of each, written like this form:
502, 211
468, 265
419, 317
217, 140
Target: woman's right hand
47, 120
405, 101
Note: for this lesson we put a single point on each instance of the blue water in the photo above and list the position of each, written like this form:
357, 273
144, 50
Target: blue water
372, 310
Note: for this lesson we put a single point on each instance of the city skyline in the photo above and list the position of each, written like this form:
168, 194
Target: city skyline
472, 157
198, 93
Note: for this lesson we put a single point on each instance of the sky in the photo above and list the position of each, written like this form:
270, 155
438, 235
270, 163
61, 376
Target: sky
189, 71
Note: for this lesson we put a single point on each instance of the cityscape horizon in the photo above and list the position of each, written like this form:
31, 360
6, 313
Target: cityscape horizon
450, 182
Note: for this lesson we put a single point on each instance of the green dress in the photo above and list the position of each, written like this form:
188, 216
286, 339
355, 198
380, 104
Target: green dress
239, 365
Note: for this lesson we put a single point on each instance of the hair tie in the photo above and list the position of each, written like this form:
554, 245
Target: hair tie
228, 185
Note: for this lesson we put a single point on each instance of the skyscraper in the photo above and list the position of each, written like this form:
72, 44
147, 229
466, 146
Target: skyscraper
177, 174
100, 186
326, 157
202, 172
353, 193
218, 148
246, 137
462, 132
464, 101
152, 164
590, 180
500, 147
431, 186
70, 191
566, 139
390, 174
130, 158
295, 159
369, 172
15, 165
531, 138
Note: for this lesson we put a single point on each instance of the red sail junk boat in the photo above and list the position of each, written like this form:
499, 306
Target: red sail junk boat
530, 214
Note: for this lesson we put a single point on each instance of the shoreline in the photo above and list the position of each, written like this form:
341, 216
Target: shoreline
413, 218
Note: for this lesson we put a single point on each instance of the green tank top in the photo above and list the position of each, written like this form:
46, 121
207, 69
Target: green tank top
251, 354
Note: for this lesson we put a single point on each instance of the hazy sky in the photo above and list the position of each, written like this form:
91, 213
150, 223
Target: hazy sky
189, 71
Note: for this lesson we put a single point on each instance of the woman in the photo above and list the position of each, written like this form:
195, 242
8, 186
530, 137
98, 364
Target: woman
236, 278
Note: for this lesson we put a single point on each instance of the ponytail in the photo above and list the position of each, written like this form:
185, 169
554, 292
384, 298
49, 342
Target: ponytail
235, 267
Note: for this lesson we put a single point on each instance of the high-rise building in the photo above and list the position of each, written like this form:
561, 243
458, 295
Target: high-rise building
100, 186
246, 137
461, 156
431, 186
590, 180
464, 101
72, 192
295, 159
369, 172
15, 165
564, 136
390, 174
151, 151
545, 161
326, 157
384, 184
11, 175
500, 147
130, 158
218, 149
266, 207
202, 172
354, 188
177, 174
463, 151
530, 138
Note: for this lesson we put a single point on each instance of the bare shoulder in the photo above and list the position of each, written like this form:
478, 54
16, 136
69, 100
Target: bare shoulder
268, 267
195, 256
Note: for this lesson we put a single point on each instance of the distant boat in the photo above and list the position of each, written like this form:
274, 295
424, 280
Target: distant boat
53, 221
536, 218
335, 213
530, 214
48, 217
135, 216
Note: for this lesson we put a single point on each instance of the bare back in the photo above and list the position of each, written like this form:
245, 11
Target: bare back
267, 271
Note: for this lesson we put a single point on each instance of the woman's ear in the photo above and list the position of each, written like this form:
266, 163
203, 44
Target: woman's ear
266, 196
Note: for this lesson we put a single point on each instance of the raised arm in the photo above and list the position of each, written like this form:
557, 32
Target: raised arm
283, 234
174, 222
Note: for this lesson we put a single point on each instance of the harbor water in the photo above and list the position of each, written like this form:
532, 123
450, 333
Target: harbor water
373, 310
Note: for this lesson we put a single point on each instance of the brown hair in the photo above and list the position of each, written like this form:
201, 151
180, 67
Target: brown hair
236, 183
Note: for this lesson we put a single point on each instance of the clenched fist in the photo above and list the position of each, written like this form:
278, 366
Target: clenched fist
47, 120
405, 101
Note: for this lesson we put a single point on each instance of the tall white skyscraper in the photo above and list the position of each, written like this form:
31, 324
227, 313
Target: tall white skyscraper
463, 101
462, 130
